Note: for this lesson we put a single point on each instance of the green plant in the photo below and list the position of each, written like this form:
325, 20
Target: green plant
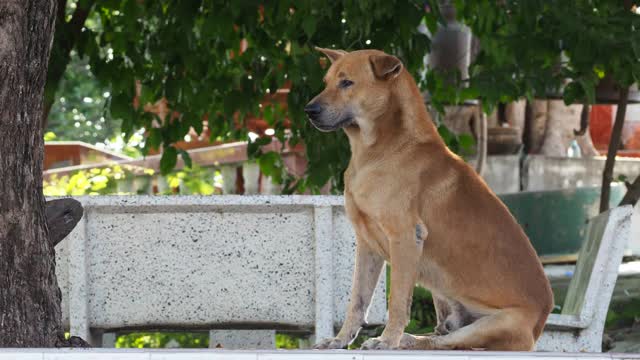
535, 48
126, 180
194, 180
79, 112
86, 182
191, 53
423, 316
287, 341
162, 339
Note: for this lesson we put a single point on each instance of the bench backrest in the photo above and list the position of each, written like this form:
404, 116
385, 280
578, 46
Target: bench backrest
210, 262
556, 220
598, 260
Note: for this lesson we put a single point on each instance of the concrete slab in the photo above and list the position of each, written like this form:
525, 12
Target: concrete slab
211, 354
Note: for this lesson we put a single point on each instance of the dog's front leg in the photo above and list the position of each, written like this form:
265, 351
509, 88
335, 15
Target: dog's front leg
365, 277
405, 252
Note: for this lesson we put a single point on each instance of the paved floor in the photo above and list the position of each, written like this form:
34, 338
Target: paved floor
142, 354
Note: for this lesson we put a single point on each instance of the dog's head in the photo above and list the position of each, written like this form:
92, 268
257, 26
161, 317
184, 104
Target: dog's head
358, 89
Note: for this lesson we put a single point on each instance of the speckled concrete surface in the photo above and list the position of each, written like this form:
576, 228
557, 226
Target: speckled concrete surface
217, 261
582, 330
242, 339
192, 354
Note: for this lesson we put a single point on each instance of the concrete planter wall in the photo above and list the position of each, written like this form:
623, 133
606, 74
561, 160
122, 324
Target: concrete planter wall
504, 175
252, 262
549, 173
556, 220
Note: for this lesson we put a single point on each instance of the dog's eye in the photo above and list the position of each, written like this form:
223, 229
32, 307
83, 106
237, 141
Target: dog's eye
345, 84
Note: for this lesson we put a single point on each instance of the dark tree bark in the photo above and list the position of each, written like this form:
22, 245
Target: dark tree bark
614, 145
633, 192
30, 313
62, 217
584, 121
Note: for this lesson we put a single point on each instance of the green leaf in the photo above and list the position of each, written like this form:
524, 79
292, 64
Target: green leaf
168, 160
309, 25
254, 147
186, 158
270, 165
466, 142
445, 134
599, 71
267, 162
573, 93
49, 136
589, 89
154, 138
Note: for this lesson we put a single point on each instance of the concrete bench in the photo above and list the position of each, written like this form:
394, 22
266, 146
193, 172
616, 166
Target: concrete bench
263, 263
580, 325
216, 262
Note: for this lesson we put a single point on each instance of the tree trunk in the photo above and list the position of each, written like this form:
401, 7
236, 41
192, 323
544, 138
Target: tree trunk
30, 313
614, 145
550, 129
536, 125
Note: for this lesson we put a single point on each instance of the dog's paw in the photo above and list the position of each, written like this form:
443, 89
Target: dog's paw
330, 343
376, 344
420, 342
407, 342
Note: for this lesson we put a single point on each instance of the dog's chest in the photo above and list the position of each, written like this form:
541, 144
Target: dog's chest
371, 207
377, 193
367, 228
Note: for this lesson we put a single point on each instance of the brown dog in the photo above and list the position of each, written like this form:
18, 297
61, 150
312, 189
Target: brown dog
421, 208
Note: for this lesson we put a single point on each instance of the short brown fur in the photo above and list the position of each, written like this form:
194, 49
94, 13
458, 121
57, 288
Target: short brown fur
421, 208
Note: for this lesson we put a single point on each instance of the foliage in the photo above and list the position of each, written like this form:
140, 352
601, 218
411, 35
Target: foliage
194, 181
287, 341
538, 47
423, 316
189, 52
131, 147
187, 340
462, 144
86, 182
624, 314
79, 112
162, 339
122, 180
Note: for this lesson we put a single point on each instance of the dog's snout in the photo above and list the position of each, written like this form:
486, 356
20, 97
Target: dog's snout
313, 110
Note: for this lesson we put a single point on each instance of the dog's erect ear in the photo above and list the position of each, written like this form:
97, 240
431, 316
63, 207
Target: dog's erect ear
385, 66
332, 54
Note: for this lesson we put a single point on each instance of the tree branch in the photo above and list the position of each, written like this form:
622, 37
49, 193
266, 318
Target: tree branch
614, 145
62, 6
67, 34
633, 192
584, 121
73, 28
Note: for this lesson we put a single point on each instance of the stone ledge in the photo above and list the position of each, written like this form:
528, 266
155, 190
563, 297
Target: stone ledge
160, 354
206, 200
